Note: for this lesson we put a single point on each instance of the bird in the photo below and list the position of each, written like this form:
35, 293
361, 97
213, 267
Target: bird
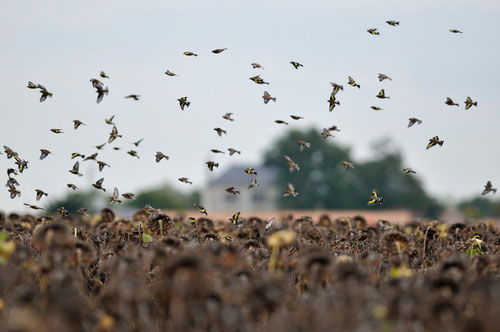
408, 171
138, 142
434, 141
11, 171
292, 166
235, 219
303, 144
382, 77
211, 165
160, 155
227, 116
281, 122
99, 147
134, 97
91, 157
326, 133
40, 194
185, 180
269, 225
169, 73
382, 95
76, 154
347, 164
332, 101
57, 131
183, 102
334, 128
21, 164
113, 135
114, 198
413, 121
83, 212
98, 184
469, 103
256, 65
257, 79
44, 153
267, 97
296, 117
188, 53
376, 108
254, 183
96, 83
375, 198
14, 192
75, 169
373, 31
72, 186
217, 151
32, 85
450, 102
232, 190
102, 164
296, 65
101, 92
128, 196
219, 50
202, 209
290, 191
220, 131
489, 188
392, 23
63, 211
110, 120
336, 88
250, 170
103, 75
44, 93
352, 82
34, 207
455, 31
133, 153
233, 151
77, 123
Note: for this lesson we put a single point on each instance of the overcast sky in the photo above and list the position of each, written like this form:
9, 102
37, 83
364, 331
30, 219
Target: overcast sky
62, 44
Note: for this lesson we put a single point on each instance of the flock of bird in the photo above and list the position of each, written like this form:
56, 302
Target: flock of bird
102, 91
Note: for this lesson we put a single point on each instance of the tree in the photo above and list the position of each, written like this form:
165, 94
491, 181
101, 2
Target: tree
164, 197
76, 200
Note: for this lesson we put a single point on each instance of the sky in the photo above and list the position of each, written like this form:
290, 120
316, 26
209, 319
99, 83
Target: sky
62, 45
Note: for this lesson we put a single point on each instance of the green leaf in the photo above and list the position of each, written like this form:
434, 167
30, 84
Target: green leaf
146, 238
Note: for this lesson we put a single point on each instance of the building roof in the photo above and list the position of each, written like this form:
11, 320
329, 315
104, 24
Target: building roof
234, 176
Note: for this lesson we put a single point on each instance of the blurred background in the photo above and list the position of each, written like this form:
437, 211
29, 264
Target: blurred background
63, 45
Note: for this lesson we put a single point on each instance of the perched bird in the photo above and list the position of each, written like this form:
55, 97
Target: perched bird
34, 207
169, 73
138, 142
296, 117
183, 102
91, 157
267, 97
44, 93
382, 77
257, 79
250, 170
469, 103
450, 102
392, 23
292, 166
290, 191
382, 95
376, 108
44, 153
269, 225
133, 153
455, 31
220, 131
408, 171
211, 165
77, 123
76, 154
217, 151
373, 31
128, 196
114, 198
219, 50
326, 133
489, 188
190, 53
192, 221
159, 156
233, 151
103, 74
375, 198
110, 121
281, 122
76, 168
434, 141
102, 164
352, 82
98, 184
39, 194
254, 183
332, 102
256, 65
185, 180
235, 219
232, 190
336, 88
413, 121
296, 65
347, 164
202, 209
72, 186
134, 97
303, 144
227, 116
57, 131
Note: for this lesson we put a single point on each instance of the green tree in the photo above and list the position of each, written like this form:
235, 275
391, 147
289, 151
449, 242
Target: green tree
164, 197
480, 207
76, 200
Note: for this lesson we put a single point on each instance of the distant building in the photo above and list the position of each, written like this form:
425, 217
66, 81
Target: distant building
262, 198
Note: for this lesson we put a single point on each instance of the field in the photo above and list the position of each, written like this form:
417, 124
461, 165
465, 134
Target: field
158, 272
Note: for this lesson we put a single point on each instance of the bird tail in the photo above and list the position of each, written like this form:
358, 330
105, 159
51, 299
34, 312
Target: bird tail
494, 190
475, 103
188, 103
273, 99
440, 143
308, 145
381, 200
